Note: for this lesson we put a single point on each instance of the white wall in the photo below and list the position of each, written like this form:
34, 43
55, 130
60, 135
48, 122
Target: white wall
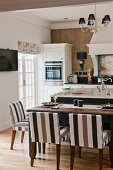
103, 36
12, 30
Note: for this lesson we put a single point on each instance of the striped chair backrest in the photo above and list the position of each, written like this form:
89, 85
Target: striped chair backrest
16, 112
44, 127
86, 130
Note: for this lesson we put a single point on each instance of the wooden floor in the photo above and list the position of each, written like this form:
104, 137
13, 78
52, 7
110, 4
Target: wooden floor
18, 159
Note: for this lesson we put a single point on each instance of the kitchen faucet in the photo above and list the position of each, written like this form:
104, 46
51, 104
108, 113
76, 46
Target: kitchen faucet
102, 86
106, 79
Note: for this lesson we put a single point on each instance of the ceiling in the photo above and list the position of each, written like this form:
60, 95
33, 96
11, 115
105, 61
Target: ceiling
57, 14
12, 5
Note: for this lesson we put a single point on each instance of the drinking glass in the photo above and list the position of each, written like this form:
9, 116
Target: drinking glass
55, 98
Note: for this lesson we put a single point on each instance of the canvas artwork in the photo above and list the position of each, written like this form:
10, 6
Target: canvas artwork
106, 65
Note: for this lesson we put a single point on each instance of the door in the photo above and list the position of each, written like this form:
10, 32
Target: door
26, 79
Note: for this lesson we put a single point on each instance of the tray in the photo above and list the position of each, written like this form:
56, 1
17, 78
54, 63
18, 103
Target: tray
49, 104
107, 107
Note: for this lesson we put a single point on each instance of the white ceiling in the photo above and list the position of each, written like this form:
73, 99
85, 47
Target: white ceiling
57, 14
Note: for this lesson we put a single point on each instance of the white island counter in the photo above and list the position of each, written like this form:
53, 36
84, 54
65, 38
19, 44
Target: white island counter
86, 93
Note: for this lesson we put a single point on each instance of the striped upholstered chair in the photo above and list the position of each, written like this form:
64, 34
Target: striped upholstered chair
86, 131
44, 128
19, 122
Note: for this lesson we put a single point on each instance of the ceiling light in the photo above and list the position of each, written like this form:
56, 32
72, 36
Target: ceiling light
66, 18
92, 23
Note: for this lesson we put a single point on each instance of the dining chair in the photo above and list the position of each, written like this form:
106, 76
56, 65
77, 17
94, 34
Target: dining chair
44, 128
19, 122
86, 131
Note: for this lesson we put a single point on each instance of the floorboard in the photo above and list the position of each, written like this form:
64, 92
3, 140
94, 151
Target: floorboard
18, 159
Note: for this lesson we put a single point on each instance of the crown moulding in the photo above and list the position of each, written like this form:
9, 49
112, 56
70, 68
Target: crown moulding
12, 5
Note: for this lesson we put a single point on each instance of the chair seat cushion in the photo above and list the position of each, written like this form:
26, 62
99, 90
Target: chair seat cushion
106, 137
21, 126
64, 133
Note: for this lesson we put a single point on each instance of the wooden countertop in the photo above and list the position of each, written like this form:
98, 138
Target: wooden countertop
69, 108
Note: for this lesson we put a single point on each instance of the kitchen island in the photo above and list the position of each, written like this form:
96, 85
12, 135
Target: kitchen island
88, 95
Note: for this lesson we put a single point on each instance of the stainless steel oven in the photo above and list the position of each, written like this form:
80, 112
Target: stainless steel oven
53, 71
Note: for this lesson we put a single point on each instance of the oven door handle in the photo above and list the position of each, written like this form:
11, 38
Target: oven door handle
53, 66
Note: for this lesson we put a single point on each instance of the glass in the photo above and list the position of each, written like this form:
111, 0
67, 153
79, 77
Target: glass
108, 93
55, 98
80, 103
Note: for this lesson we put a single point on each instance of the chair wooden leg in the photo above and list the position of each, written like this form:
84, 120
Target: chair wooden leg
13, 139
39, 147
79, 152
58, 155
100, 158
43, 146
72, 157
32, 152
22, 136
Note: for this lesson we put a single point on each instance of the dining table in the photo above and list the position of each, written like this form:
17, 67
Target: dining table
65, 109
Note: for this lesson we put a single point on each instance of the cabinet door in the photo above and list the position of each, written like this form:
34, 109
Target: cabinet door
53, 53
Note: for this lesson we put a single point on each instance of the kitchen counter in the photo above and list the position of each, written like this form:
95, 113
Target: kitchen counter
85, 93
72, 85
88, 95
85, 84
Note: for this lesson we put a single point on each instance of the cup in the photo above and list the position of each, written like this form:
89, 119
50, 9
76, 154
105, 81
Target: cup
75, 102
80, 103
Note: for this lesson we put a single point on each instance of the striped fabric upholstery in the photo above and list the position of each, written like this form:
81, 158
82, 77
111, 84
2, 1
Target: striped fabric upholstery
86, 131
18, 120
17, 112
44, 127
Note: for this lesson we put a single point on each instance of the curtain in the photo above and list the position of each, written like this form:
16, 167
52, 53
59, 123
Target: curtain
28, 47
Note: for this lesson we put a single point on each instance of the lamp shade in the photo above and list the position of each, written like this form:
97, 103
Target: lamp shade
81, 21
107, 18
81, 55
103, 20
91, 17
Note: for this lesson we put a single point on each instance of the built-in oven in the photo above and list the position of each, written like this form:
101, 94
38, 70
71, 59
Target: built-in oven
53, 71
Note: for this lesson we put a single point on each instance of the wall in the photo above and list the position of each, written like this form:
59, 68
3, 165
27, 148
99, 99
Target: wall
103, 36
12, 30
79, 40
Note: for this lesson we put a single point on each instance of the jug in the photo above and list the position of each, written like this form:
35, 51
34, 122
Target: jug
72, 79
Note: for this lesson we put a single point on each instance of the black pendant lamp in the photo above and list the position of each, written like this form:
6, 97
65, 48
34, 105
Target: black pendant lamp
91, 17
81, 21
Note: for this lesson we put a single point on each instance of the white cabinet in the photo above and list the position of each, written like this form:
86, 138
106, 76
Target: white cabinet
59, 52
52, 52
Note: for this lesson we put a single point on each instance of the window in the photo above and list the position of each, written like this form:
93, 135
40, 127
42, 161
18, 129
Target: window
27, 79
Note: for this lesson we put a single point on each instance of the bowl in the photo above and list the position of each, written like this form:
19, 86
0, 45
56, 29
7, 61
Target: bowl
66, 90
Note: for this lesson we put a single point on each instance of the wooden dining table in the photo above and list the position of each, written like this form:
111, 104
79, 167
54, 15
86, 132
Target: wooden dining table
107, 116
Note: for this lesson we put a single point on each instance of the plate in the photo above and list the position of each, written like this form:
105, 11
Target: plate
49, 103
107, 107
